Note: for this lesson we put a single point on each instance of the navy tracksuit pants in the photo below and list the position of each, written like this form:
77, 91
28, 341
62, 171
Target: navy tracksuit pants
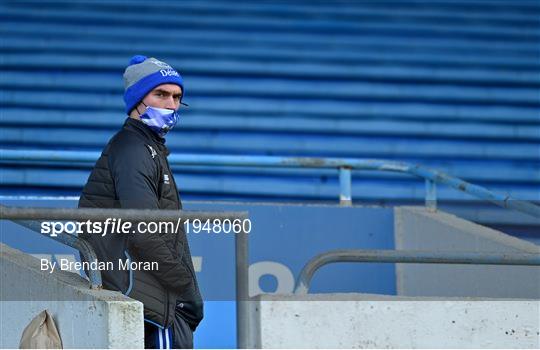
177, 336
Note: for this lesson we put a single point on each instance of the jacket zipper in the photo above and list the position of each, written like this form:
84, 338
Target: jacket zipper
166, 318
175, 192
174, 182
176, 238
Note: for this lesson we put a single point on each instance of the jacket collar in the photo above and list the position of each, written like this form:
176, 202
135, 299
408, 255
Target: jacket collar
139, 127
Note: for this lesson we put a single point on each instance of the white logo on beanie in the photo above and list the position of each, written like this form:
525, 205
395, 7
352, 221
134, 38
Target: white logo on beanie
169, 72
160, 63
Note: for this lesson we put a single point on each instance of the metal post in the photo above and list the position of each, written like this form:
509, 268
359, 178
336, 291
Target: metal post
431, 195
242, 289
345, 196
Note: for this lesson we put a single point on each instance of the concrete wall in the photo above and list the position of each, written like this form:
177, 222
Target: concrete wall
373, 321
419, 229
85, 318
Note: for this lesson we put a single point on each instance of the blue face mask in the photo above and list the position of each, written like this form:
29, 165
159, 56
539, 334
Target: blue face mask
160, 120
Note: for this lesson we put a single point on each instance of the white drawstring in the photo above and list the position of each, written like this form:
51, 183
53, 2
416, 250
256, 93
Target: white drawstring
167, 344
160, 339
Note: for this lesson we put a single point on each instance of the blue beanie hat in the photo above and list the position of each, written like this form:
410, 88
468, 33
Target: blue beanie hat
143, 75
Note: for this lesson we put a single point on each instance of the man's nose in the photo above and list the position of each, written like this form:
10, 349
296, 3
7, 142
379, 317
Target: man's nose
171, 103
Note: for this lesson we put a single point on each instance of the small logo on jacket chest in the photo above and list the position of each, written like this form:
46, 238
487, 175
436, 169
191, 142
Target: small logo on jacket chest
153, 152
166, 179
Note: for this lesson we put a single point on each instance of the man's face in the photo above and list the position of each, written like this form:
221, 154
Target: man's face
164, 96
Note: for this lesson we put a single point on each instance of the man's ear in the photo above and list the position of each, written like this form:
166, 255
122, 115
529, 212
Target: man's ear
136, 109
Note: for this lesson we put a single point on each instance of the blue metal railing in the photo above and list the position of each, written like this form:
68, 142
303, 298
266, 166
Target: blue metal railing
410, 256
67, 239
344, 165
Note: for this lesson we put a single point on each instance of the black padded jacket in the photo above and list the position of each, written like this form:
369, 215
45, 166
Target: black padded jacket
133, 172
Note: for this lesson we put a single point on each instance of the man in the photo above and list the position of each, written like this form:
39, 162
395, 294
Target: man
133, 172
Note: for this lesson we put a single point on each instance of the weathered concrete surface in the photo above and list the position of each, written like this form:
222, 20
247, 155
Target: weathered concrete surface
85, 318
416, 228
372, 321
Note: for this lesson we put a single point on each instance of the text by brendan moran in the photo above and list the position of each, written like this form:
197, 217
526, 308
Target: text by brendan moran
67, 265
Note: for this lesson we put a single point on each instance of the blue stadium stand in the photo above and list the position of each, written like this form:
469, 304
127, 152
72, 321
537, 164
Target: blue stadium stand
452, 85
